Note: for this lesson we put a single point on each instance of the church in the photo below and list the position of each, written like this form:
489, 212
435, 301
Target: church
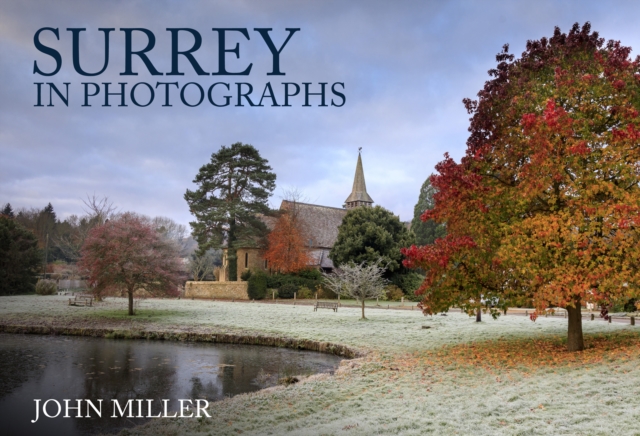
321, 228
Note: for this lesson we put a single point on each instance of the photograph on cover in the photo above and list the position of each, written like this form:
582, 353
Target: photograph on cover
328, 217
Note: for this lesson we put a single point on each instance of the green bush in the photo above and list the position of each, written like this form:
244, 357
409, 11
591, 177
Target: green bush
311, 274
325, 294
307, 278
305, 293
246, 274
257, 285
287, 290
409, 282
46, 287
394, 293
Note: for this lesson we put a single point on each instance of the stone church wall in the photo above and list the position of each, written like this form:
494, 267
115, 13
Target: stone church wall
223, 290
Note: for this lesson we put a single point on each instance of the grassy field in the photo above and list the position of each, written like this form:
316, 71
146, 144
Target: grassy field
509, 376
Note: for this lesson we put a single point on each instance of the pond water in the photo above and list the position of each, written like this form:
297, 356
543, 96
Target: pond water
57, 367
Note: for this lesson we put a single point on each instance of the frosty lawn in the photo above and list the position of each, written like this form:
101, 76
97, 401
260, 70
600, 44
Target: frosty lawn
412, 380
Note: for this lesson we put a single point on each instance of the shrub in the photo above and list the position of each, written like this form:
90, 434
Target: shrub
257, 285
305, 292
46, 287
245, 275
326, 294
311, 274
409, 282
287, 290
300, 279
393, 293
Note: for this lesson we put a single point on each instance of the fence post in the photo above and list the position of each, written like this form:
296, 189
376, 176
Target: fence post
402, 301
632, 320
377, 302
609, 319
294, 298
339, 300
526, 313
592, 317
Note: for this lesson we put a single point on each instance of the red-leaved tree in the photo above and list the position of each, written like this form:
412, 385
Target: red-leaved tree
128, 254
545, 204
286, 250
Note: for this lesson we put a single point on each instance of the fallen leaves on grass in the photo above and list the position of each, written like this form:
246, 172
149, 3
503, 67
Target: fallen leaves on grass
528, 354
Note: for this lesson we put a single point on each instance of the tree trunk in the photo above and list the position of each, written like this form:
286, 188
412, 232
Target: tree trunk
363, 309
232, 258
232, 255
575, 341
130, 292
479, 315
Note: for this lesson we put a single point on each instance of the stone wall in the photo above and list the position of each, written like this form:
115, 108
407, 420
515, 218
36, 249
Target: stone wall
225, 290
248, 259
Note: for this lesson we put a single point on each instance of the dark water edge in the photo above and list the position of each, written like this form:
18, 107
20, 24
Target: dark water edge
62, 367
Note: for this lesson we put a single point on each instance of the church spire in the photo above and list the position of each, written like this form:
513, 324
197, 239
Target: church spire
359, 196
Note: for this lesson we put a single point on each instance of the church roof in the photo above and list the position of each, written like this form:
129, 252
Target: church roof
359, 190
320, 222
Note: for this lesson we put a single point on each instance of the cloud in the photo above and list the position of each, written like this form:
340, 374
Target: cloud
406, 67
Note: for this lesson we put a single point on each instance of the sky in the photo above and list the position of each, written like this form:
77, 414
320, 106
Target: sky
405, 66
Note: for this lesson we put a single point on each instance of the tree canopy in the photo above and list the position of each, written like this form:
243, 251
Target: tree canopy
233, 189
127, 253
426, 231
369, 234
286, 249
20, 258
545, 204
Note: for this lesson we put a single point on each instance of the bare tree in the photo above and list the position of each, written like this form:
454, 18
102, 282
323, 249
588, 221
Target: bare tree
173, 232
202, 265
97, 210
360, 281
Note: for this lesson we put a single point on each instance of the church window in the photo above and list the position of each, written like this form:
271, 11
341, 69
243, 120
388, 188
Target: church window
246, 260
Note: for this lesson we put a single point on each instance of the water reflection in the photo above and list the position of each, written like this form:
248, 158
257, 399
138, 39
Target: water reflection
43, 367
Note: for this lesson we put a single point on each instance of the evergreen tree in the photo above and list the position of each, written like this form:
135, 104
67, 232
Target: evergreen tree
7, 211
426, 231
20, 258
369, 235
233, 189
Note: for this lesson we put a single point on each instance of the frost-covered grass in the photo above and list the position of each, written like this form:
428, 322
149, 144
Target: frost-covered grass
400, 387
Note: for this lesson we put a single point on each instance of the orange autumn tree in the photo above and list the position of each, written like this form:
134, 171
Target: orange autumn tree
545, 204
286, 250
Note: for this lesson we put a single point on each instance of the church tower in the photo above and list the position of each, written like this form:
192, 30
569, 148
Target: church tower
359, 196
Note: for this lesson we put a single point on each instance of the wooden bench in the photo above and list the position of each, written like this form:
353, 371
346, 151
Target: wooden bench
321, 305
81, 300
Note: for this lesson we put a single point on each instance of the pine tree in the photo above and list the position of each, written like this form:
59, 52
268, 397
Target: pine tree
233, 189
426, 231
7, 211
20, 258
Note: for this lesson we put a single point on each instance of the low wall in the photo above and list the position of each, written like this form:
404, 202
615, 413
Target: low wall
226, 290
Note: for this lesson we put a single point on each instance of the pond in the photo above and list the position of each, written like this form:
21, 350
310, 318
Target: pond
58, 367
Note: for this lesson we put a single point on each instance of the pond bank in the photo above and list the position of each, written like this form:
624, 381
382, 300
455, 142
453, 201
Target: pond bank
219, 338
